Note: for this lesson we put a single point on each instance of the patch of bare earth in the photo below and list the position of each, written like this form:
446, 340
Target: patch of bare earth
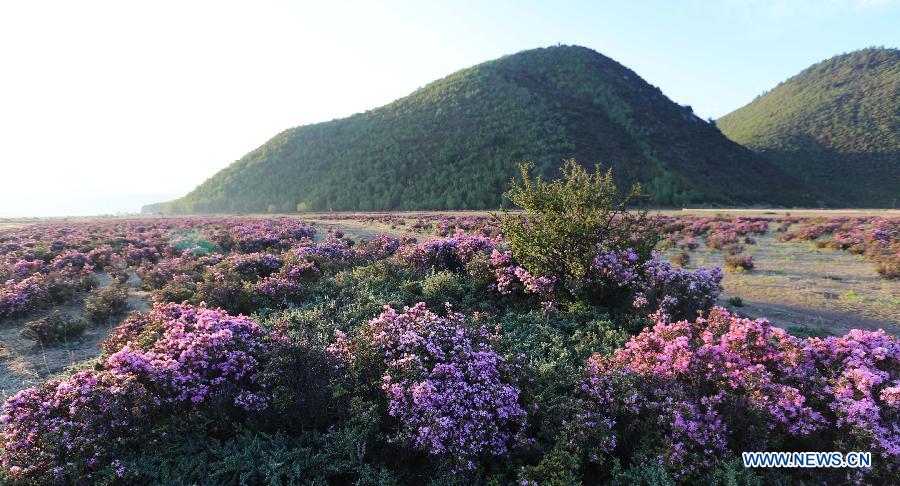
25, 363
797, 284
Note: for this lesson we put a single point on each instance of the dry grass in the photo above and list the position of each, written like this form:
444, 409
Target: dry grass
797, 284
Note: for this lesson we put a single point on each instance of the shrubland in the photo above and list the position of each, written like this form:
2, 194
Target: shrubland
271, 356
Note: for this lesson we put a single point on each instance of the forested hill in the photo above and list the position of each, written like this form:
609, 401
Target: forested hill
836, 126
454, 144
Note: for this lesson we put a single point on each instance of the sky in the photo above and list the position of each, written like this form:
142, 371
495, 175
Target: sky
106, 106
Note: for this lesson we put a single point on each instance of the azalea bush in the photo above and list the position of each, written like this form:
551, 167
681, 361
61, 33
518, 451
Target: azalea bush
690, 394
65, 431
175, 359
450, 392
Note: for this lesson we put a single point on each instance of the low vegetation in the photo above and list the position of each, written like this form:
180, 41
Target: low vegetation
273, 354
54, 328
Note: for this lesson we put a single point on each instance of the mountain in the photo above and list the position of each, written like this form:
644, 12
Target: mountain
454, 144
835, 126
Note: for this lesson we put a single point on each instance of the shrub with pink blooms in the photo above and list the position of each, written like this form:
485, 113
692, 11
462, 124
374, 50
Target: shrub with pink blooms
174, 360
64, 431
691, 394
201, 355
446, 254
451, 394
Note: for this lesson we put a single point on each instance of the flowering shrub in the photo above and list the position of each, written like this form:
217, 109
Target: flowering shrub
449, 390
510, 276
380, 247
446, 254
270, 233
202, 355
174, 359
19, 297
63, 431
677, 292
722, 384
723, 239
283, 286
70, 258
251, 266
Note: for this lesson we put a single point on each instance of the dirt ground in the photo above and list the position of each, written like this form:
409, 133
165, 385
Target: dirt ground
797, 284
25, 363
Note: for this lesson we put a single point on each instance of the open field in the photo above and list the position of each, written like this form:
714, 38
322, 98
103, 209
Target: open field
25, 363
797, 284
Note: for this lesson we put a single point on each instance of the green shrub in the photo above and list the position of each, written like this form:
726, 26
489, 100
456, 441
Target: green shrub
103, 304
443, 287
567, 220
54, 328
188, 455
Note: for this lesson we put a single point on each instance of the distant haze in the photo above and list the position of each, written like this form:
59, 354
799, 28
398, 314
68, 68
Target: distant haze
106, 106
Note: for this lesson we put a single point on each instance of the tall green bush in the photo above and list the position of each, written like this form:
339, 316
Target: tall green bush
567, 221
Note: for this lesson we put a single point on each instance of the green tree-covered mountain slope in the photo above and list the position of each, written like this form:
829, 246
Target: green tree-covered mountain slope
454, 144
835, 126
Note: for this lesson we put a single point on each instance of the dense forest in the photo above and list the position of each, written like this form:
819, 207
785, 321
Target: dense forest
835, 126
455, 143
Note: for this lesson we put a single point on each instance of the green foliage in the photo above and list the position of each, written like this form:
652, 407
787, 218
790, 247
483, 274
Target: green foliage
543, 105
567, 220
443, 287
247, 457
834, 126
651, 474
807, 332
103, 304
54, 328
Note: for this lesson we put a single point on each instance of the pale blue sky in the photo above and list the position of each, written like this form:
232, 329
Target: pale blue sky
105, 106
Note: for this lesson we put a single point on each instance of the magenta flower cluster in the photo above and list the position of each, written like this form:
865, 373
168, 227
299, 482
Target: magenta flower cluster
267, 234
617, 268
679, 293
701, 383
450, 392
447, 253
510, 277
66, 429
171, 360
203, 355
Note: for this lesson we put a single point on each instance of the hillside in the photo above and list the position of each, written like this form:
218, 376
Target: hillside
454, 144
836, 126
